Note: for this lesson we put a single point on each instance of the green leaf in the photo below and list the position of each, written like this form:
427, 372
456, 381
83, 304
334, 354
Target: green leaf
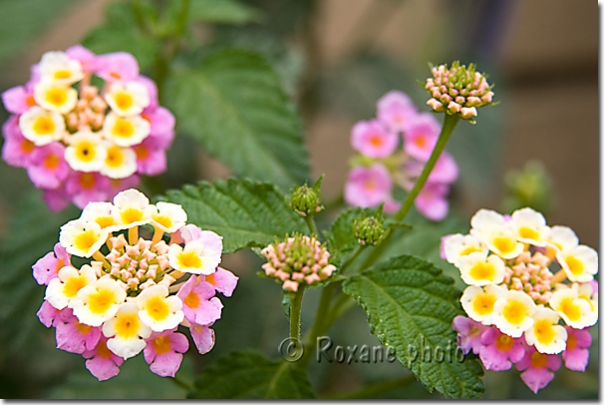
120, 32
245, 213
410, 306
234, 104
21, 21
249, 375
340, 237
33, 232
135, 381
222, 12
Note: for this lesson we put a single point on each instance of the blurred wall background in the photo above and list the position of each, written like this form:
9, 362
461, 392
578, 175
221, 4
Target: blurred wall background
545, 54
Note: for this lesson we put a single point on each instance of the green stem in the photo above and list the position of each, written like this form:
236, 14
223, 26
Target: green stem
295, 310
445, 133
181, 384
318, 328
352, 258
371, 390
337, 202
312, 226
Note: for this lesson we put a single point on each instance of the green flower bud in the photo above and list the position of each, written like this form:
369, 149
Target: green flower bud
369, 231
306, 200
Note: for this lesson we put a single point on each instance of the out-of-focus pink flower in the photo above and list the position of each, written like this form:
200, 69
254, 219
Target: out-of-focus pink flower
150, 159
538, 368
117, 66
163, 352
372, 139
395, 109
17, 150
18, 99
431, 201
56, 199
368, 186
86, 58
420, 136
48, 168
87, 187
499, 350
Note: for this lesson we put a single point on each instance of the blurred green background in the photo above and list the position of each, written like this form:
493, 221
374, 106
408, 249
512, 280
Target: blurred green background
335, 58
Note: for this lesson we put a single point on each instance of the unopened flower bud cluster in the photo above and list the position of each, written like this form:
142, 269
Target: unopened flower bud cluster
458, 90
81, 143
133, 293
298, 260
532, 295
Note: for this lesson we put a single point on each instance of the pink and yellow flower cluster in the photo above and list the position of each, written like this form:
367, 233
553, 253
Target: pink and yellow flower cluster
380, 164
531, 297
79, 142
298, 260
146, 273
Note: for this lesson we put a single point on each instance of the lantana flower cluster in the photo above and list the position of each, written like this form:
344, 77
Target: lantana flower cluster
458, 90
299, 259
81, 142
381, 164
134, 291
531, 297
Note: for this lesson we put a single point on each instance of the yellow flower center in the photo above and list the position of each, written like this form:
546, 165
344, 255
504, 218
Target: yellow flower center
131, 215
468, 250
85, 151
82, 328
157, 308
376, 141
85, 240
211, 279
123, 128
123, 100
538, 360
484, 303
87, 181
56, 96
73, 285
51, 161
115, 157
127, 325
515, 312
142, 152
100, 302
163, 220
571, 342
27, 146
62, 74
528, 233
102, 350
504, 244
105, 221
192, 300
570, 309
504, 343
544, 331
189, 259
44, 126
574, 265
162, 345
483, 271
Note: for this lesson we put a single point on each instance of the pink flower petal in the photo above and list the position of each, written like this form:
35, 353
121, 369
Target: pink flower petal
203, 337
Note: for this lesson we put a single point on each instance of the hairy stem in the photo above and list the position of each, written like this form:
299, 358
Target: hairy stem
295, 310
312, 226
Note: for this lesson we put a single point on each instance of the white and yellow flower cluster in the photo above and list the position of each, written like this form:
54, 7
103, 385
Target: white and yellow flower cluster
129, 288
508, 263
